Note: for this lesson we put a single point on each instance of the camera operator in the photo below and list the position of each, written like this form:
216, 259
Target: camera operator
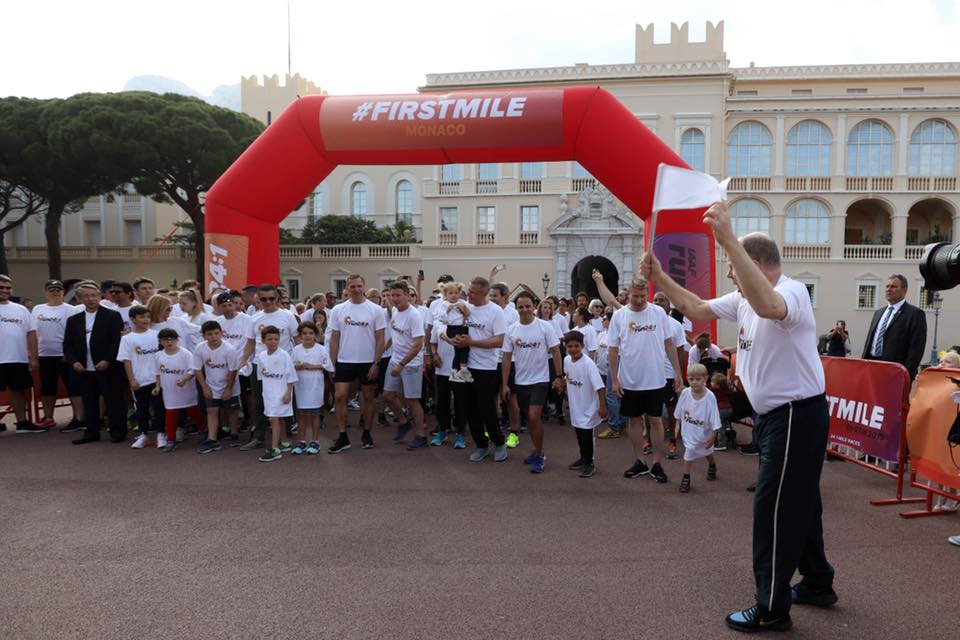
838, 340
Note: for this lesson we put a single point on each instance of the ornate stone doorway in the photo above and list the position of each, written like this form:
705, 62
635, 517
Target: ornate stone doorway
581, 278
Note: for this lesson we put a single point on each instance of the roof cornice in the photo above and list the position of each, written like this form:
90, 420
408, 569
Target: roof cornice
838, 71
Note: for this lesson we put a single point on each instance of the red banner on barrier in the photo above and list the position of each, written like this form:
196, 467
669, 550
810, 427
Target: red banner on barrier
867, 399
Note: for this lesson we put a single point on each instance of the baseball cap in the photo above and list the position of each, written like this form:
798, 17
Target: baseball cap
224, 297
53, 284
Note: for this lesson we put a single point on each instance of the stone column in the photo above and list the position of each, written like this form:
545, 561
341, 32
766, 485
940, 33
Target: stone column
899, 230
778, 146
903, 141
777, 227
840, 142
838, 231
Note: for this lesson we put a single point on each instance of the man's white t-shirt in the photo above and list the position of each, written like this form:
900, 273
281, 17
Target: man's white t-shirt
485, 322
639, 337
15, 323
217, 365
405, 327
698, 420
275, 371
236, 330
358, 325
510, 317
51, 322
282, 319
777, 360
309, 386
530, 346
175, 367
140, 350
713, 351
583, 382
679, 340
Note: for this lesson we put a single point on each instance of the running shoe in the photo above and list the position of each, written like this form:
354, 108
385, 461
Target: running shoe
712, 472
577, 464
749, 450
672, 450
48, 423
480, 454
161, 440
313, 448
638, 469
252, 443
460, 442
271, 455
513, 440
402, 431
234, 440
169, 447
656, 472
439, 438
500, 453
537, 465
954, 540
609, 434
465, 375
140, 442
647, 447
285, 446
28, 427
353, 405
70, 427
800, 593
588, 470
685, 484
300, 449
366, 440
342, 444
530, 458
417, 443
207, 446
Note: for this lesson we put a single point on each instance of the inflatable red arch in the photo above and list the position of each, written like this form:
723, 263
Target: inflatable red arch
317, 133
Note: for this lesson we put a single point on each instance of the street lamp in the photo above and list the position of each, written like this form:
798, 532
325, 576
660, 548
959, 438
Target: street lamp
545, 281
935, 303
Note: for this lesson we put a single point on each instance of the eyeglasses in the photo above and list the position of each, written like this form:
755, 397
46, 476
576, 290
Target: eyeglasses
267, 298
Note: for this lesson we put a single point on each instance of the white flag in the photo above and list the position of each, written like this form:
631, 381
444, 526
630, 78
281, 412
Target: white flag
686, 189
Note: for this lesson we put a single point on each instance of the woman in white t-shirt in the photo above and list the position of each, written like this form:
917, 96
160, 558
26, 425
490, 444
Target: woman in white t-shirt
175, 379
596, 315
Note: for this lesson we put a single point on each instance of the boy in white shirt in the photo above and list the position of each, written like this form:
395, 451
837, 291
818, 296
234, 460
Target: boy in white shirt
175, 379
138, 353
699, 420
310, 360
586, 398
277, 375
216, 363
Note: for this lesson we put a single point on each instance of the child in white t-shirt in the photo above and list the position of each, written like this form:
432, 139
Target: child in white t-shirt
138, 353
452, 312
699, 420
586, 399
216, 363
277, 375
310, 360
175, 379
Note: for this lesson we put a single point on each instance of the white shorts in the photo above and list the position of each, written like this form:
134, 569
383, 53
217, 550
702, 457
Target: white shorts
409, 383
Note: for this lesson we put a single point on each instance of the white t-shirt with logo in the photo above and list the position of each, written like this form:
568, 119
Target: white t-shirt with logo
140, 350
603, 359
282, 319
639, 336
713, 351
405, 327
597, 324
276, 371
583, 382
236, 330
309, 386
698, 420
589, 337
217, 365
358, 325
485, 322
777, 360
679, 340
530, 345
175, 367
51, 324
15, 323
445, 350
187, 333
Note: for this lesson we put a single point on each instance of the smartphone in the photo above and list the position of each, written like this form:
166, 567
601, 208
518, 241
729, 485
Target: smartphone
500, 267
420, 274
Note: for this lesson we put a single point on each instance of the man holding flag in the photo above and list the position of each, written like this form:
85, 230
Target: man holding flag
781, 373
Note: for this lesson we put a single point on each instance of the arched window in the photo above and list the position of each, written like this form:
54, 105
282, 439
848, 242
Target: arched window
358, 199
750, 215
693, 149
933, 149
749, 150
870, 150
808, 149
404, 201
808, 222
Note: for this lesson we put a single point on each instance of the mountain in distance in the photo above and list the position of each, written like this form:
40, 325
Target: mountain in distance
226, 95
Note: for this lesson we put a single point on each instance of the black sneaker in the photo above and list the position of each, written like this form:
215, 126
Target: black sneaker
28, 427
712, 472
685, 484
638, 469
749, 450
753, 619
366, 440
588, 470
342, 444
752, 488
73, 425
402, 431
656, 472
803, 594
577, 465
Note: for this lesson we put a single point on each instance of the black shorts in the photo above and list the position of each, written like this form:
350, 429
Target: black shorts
634, 404
53, 369
245, 384
15, 376
382, 373
511, 377
531, 394
669, 394
350, 371
216, 403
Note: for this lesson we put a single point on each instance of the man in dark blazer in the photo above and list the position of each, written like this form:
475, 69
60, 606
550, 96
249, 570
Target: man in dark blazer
898, 331
90, 344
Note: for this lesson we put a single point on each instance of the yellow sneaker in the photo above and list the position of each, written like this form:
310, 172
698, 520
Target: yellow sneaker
609, 434
512, 440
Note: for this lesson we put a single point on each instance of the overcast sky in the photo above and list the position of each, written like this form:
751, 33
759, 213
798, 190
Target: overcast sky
60, 47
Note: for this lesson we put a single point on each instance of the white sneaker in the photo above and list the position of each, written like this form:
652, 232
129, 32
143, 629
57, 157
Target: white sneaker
465, 375
140, 442
955, 540
161, 440
353, 405
181, 434
455, 376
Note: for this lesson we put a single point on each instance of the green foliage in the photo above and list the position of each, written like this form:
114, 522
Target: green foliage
337, 229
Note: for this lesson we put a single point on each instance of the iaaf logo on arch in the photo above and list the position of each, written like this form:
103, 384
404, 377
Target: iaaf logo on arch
856, 412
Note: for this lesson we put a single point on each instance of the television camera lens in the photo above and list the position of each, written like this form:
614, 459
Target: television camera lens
940, 266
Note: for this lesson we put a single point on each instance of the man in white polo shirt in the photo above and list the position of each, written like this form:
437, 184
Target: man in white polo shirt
778, 364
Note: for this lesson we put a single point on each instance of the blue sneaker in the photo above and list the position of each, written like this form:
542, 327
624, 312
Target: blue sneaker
417, 443
537, 465
439, 439
460, 442
402, 431
300, 448
530, 458
313, 449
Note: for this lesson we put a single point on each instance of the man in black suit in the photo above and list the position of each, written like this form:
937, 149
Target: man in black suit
898, 331
90, 344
